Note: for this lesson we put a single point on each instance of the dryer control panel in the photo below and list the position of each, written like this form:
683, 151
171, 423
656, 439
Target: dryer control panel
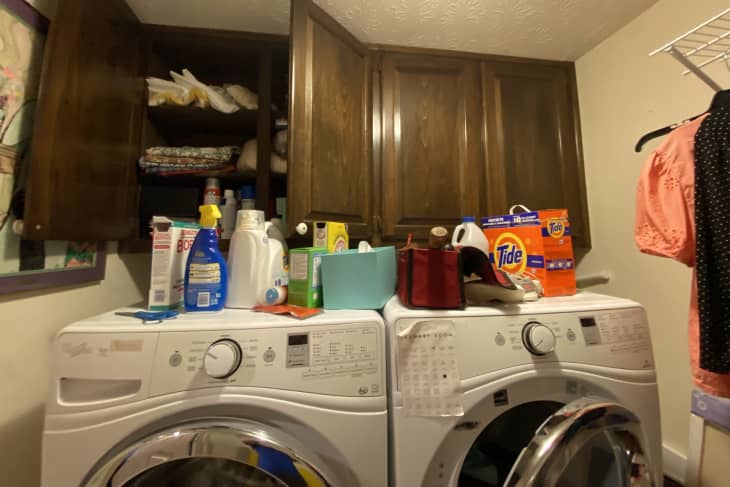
615, 338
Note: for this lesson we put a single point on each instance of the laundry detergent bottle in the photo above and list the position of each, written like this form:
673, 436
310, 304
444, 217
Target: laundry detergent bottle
206, 274
468, 234
248, 260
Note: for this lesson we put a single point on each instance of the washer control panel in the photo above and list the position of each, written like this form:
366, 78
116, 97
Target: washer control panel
342, 359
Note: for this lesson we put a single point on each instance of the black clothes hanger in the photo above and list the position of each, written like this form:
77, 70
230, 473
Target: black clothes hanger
721, 99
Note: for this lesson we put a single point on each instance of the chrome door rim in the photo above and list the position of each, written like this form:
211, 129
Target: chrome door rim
542, 462
227, 439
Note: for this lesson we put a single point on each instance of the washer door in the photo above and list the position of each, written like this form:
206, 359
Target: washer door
587, 442
209, 453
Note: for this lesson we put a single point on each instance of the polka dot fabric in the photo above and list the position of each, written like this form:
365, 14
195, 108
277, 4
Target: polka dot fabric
712, 220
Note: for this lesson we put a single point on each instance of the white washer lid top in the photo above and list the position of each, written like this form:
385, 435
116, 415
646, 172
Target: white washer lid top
220, 320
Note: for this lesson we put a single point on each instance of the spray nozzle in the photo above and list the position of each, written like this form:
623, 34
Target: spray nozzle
209, 215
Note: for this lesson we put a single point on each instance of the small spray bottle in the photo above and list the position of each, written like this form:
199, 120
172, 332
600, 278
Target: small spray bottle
206, 275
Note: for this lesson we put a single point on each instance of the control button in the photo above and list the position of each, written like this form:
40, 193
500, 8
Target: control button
500, 340
175, 359
538, 338
571, 335
269, 356
222, 359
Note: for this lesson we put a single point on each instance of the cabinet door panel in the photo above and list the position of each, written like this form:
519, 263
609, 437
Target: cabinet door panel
330, 135
86, 139
432, 162
533, 146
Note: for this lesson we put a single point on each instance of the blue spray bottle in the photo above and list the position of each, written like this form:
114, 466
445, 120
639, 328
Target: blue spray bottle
206, 275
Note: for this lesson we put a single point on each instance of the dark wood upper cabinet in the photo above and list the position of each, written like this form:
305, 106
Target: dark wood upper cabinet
82, 175
432, 156
330, 142
533, 142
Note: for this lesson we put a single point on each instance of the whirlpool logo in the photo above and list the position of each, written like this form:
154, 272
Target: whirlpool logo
510, 253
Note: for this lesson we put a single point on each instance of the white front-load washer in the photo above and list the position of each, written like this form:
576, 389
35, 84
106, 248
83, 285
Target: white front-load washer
558, 392
234, 398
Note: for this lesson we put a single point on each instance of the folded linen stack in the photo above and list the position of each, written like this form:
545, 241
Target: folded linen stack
167, 161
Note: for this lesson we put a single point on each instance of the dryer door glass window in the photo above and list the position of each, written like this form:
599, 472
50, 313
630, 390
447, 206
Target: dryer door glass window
206, 472
491, 457
587, 442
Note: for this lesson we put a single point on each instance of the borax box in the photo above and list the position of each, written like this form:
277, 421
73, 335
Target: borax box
538, 243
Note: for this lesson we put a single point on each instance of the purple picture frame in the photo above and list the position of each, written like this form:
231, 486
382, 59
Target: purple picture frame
33, 280
27, 12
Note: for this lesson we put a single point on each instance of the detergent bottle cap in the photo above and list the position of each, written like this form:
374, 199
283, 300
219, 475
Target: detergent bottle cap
250, 220
209, 215
468, 219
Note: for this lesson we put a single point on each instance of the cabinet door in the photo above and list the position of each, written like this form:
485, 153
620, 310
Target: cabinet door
534, 142
81, 183
432, 156
330, 123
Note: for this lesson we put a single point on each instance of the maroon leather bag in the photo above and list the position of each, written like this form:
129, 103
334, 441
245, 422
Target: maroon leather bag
431, 278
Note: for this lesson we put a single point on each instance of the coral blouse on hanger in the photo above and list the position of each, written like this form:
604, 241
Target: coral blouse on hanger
665, 226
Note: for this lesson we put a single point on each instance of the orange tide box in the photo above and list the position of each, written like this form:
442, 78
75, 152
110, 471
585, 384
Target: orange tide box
537, 243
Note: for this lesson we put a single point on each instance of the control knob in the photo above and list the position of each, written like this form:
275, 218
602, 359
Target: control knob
222, 358
538, 338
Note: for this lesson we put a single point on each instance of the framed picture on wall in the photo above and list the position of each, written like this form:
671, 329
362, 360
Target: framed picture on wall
29, 264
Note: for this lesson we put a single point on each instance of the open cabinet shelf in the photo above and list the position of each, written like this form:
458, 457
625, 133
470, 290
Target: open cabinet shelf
185, 180
191, 120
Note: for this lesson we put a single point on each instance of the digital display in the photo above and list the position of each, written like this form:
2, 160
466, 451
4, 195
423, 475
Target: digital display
298, 339
587, 321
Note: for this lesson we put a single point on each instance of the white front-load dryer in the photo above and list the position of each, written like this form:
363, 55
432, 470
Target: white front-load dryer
559, 392
235, 398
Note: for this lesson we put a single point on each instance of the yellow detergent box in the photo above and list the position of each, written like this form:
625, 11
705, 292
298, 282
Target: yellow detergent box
536, 242
331, 236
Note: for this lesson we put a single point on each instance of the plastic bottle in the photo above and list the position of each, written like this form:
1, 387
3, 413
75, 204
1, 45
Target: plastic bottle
212, 192
248, 197
468, 234
229, 210
206, 274
255, 260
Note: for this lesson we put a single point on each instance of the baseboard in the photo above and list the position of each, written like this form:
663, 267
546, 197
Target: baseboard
675, 464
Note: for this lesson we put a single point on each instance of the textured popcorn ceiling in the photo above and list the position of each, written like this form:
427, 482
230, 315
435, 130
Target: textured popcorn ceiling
550, 29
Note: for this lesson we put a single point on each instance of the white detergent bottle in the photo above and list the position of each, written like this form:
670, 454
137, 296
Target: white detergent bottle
248, 260
468, 234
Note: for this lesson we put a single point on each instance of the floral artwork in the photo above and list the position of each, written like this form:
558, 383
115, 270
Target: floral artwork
29, 264
22, 35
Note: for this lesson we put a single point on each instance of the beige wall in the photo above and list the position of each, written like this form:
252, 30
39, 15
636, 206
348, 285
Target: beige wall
624, 94
28, 322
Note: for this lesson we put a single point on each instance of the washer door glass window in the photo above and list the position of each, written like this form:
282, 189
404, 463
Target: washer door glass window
585, 443
206, 472
210, 453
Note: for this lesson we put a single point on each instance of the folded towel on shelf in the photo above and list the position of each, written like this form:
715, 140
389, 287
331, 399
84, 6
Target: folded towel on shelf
224, 153
188, 160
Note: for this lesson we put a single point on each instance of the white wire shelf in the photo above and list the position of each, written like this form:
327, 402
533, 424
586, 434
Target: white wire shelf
702, 46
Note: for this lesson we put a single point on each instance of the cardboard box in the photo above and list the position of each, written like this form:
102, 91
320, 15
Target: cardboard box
171, 243
305, 283
331, 236
358, 280
536, 242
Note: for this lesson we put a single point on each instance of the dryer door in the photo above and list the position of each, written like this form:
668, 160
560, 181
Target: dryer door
210, 453
587, 442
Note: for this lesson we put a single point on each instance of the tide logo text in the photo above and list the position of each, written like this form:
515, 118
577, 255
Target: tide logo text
510, 253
